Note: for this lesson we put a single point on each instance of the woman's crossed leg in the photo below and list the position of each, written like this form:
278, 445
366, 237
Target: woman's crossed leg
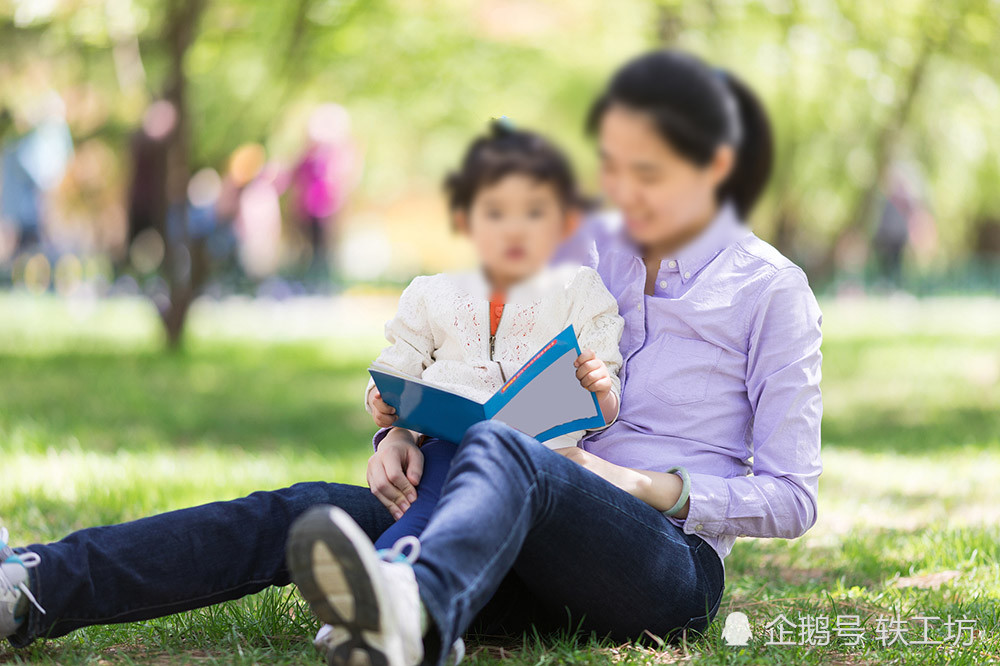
177, 560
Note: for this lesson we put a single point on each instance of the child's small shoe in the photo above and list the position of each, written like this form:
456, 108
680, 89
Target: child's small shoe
14, 585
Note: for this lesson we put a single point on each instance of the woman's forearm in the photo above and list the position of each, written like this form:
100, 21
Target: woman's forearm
658, 489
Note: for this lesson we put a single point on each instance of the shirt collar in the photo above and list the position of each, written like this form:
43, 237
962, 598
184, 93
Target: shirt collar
724, 228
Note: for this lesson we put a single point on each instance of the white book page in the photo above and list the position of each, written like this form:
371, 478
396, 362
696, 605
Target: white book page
417, 380
389, 370
397, 373
552, 398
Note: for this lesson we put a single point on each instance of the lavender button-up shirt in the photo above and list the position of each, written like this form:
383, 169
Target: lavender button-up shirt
721, 375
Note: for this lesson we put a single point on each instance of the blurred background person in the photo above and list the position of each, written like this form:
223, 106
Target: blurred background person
321, 182
904, 222
258, 223
32, 165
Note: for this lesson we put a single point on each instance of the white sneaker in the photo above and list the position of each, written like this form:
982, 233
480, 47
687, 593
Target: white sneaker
349, 584
14, 584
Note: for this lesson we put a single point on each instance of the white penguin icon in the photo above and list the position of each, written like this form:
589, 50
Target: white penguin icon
737, 629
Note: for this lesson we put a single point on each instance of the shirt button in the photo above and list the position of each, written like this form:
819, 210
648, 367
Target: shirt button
638, 306
697, 528
663, 283
671, 263
687, 274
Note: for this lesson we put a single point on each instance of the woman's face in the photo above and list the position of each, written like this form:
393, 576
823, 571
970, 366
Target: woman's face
661, 195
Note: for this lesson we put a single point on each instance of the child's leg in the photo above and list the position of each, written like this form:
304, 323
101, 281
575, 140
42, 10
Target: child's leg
437, 461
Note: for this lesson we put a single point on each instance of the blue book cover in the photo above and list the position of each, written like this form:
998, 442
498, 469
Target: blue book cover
543, 399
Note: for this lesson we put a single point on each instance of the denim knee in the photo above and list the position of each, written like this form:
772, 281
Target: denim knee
497, 439
493, 433
490, 427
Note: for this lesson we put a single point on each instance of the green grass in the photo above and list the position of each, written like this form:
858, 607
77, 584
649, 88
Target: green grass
97, 425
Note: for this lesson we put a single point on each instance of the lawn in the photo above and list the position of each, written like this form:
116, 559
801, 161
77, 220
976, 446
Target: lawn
98, 425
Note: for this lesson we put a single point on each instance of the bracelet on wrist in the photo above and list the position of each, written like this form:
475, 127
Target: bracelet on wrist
685, 489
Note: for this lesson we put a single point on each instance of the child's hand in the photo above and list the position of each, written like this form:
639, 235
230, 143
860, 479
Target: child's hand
592, 373
383, 414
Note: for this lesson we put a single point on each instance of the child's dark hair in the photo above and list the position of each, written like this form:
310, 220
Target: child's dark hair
508, 150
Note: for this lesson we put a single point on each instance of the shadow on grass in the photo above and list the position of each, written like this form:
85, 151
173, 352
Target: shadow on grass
248, 398
899, 430
267, 397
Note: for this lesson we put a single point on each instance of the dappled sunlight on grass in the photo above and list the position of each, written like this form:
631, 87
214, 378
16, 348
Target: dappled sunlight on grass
98, 425
871, 490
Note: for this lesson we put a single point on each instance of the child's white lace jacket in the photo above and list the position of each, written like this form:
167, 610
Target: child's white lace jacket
441, 331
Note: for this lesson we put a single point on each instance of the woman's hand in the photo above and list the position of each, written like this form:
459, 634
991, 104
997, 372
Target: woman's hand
394, 469
383, 414
596, 378
658, 489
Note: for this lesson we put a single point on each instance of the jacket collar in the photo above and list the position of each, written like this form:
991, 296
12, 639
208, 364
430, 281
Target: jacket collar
526, 290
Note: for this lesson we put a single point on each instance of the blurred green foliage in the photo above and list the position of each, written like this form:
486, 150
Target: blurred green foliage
853, 86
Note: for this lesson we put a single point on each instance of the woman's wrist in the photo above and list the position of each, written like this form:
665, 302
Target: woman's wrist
660, 490
680, 506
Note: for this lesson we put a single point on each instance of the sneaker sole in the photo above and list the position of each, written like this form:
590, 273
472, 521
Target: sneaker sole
333, 573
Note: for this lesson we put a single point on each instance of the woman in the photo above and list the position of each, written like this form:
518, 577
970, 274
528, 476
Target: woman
722, 358
721, 362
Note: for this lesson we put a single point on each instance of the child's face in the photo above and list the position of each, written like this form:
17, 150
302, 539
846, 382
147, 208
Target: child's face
516, 224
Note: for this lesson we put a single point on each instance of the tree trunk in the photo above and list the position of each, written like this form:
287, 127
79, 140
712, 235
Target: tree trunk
183, 274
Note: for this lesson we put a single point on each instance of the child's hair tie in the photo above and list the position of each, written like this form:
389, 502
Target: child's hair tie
503, 126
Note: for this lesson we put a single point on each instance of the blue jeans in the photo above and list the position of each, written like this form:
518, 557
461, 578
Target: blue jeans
521, 537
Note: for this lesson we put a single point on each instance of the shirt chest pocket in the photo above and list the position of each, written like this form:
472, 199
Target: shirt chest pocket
683, 369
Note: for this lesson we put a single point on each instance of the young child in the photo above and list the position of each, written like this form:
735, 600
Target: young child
515, 197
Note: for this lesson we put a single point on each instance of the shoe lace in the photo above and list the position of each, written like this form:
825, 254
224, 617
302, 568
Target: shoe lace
457, 651
26, 559
396, 554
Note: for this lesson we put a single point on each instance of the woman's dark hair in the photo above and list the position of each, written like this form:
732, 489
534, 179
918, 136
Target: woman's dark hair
696, 108
508, 150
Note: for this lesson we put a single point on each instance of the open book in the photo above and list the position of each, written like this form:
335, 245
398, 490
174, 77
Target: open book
543, 399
